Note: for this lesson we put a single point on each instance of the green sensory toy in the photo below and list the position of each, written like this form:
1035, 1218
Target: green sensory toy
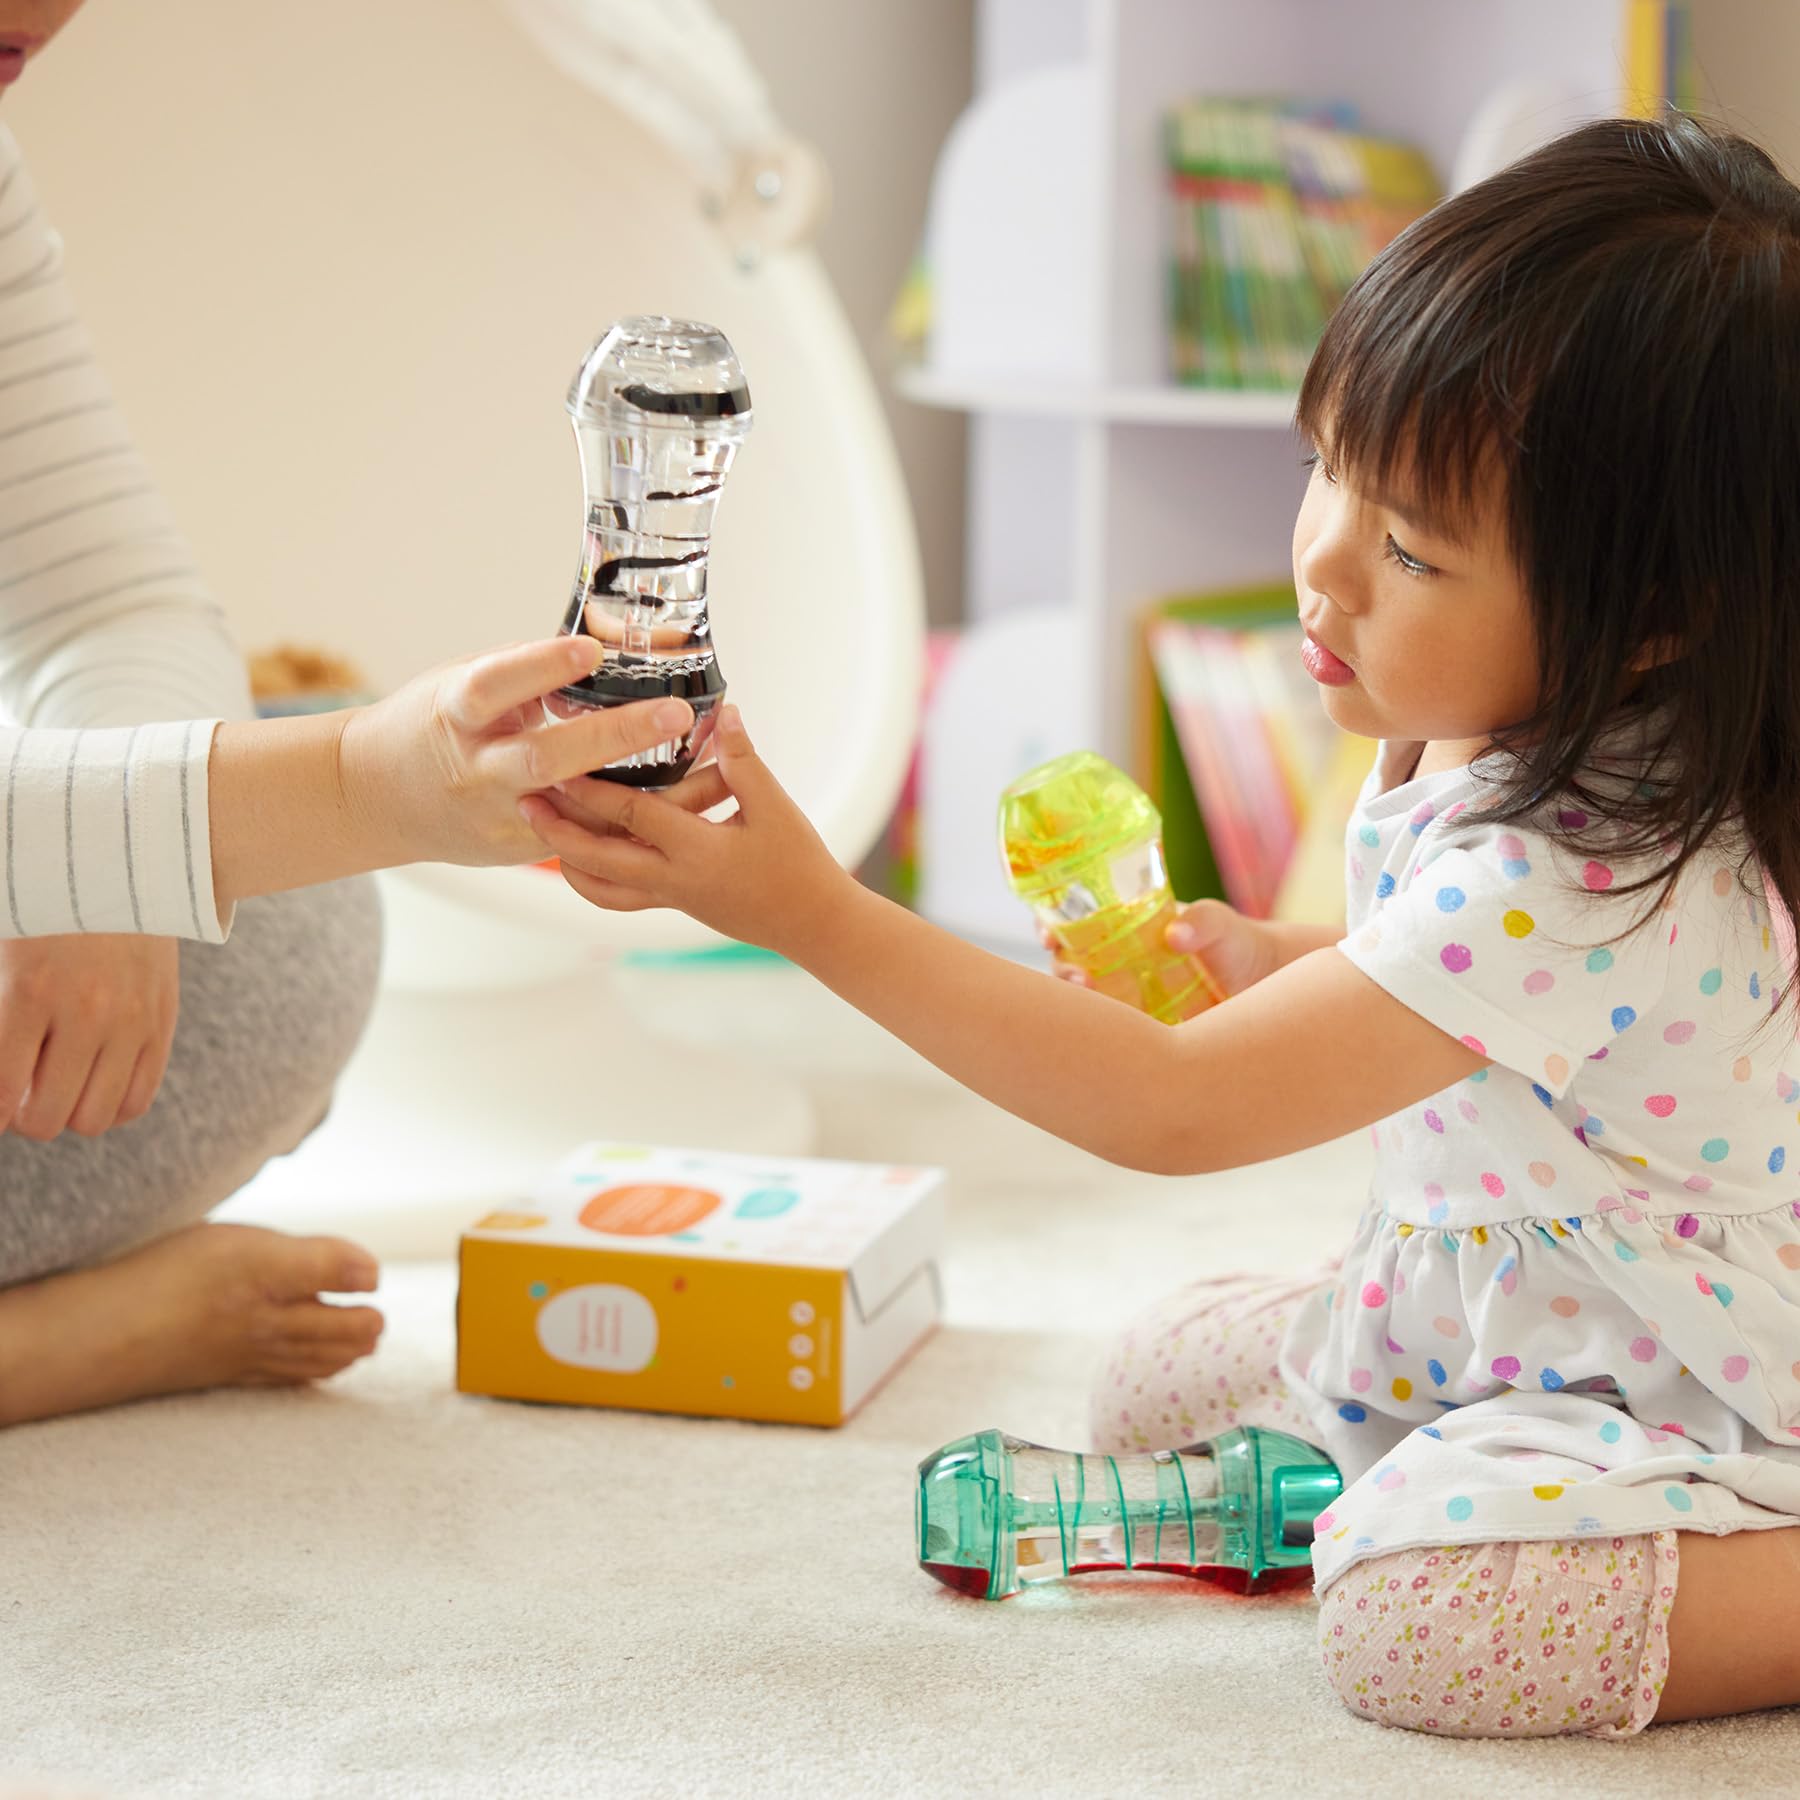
995, 1514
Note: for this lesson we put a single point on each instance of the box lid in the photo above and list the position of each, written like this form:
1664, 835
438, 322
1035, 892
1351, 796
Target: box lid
800, 1212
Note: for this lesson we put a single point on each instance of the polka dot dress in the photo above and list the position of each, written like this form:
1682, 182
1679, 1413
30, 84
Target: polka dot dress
1572, 1305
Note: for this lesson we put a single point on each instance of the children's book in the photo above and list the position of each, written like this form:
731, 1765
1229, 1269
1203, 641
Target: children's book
1239, 753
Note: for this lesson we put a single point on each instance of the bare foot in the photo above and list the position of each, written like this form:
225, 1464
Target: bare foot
211, 1306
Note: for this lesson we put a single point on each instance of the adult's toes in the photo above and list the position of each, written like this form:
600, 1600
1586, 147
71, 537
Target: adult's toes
320, 1364
295, 1370
321, 1265
313, 1326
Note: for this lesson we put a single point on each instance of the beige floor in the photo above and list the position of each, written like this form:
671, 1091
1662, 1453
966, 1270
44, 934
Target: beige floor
384, 1589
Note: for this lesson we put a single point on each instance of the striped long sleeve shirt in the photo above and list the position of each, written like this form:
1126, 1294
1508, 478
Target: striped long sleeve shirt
115, 663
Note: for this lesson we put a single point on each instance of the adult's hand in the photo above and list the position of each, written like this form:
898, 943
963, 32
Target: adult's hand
433, 773
445, 760
86, 1025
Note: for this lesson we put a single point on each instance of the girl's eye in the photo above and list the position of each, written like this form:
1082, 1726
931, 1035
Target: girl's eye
1316, 461
1410, 564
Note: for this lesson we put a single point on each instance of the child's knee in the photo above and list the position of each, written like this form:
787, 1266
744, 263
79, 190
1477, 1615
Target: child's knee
1488, 1640
1390, 1659
1110, 1429
1137, 1401
1197, 1362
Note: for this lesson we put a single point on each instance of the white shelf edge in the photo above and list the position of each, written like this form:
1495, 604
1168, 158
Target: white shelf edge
1143, 403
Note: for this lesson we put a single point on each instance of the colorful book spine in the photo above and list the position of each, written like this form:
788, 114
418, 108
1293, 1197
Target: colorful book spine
1186, 684
1277, 208
1269, 813
1240, 749
1659, 58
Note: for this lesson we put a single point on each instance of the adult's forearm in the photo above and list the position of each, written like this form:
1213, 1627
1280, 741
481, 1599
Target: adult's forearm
281, 812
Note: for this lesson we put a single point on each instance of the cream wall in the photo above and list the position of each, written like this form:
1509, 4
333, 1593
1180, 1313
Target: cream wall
877, 84
340, 260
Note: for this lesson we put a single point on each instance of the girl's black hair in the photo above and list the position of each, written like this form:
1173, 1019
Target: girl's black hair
1613, 324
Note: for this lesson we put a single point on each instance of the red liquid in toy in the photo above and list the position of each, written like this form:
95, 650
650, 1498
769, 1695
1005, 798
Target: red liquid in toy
973, 1582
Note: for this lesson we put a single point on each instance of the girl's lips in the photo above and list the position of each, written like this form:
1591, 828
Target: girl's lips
12, 64
1322, 666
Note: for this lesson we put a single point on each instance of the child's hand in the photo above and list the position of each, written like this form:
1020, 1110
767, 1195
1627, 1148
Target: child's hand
1238, 952
441, 764
762, 875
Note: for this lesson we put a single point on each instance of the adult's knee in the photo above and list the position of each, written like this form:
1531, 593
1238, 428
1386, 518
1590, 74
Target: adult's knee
267, 1022
286, 999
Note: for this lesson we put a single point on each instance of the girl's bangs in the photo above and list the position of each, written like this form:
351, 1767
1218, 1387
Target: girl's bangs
1403, 397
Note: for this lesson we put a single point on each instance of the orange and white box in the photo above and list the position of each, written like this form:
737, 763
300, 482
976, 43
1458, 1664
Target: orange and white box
693, 1281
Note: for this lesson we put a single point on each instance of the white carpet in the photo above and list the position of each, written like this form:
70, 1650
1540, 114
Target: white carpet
385, 1589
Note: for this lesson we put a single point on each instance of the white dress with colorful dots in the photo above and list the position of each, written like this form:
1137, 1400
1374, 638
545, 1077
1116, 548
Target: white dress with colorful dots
1572, 1305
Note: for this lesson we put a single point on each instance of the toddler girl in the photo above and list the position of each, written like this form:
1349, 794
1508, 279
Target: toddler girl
1550, 557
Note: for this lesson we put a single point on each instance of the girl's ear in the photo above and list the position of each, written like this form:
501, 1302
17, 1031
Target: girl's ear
1655, 652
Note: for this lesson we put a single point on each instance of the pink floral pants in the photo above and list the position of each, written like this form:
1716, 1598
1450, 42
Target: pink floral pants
1473, 1640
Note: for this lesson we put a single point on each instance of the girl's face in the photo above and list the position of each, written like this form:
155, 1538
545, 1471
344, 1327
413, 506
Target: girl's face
26, 26
1417, 630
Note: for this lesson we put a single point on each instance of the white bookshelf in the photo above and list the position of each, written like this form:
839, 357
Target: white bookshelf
1097, 485
1121, 403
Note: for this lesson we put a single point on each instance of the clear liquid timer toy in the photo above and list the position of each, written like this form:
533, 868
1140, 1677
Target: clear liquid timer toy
660, 407
1082, 843
995, 1514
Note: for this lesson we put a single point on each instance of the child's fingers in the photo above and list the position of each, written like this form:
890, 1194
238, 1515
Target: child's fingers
1060, 967
490, 686
549, 816
612, 895
593, 805
1196, 926
611, 858
746, 774
696, 793
700, 791
611, 807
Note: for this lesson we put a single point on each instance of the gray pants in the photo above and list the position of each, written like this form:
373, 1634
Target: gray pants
267, 1022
